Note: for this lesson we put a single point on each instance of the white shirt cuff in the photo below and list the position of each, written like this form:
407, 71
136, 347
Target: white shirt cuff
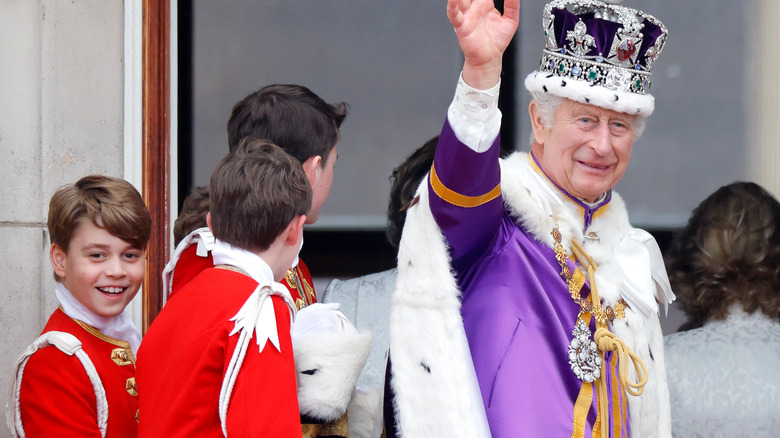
474, 115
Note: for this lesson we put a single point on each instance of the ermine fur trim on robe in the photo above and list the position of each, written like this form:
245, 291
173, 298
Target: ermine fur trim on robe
431, 363
328, 366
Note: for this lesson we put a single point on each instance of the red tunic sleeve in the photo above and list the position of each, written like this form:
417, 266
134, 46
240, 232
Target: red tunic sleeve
56, 397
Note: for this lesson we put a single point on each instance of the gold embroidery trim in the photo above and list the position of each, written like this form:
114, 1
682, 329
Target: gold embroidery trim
309, 290
305, 291
457, 199
581, 408
98, 334
291, 278
617, 426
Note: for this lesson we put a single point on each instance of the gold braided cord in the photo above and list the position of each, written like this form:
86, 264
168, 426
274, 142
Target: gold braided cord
580, 254
601, 382
607, 341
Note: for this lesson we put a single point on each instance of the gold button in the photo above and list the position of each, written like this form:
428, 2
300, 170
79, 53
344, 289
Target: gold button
120, 357
130, 387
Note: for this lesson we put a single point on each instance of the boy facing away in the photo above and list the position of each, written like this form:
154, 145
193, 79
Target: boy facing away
218, 360
77, 379
304, 126
307, 128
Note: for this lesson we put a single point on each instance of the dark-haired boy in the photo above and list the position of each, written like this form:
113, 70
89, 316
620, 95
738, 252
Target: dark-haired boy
77, 378
218, 360
307, 128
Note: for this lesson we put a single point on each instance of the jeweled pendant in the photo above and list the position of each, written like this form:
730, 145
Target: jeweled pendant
584, 356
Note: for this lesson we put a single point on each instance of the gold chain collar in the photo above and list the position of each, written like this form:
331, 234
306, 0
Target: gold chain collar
601, 314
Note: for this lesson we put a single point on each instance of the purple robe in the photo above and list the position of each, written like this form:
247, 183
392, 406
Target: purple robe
517, 311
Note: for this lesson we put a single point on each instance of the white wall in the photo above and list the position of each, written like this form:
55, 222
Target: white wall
61, 118
763, 96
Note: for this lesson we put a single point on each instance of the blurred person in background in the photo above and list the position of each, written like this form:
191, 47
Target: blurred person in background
725, 269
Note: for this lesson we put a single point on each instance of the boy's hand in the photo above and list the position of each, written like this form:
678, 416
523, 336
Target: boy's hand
483, 34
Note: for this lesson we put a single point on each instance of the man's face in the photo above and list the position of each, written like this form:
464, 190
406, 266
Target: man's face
321, 185
586, 149
102, 271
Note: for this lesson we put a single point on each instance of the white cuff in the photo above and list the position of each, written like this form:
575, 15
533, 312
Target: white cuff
474, 115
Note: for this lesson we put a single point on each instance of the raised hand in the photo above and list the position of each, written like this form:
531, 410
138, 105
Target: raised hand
483, 34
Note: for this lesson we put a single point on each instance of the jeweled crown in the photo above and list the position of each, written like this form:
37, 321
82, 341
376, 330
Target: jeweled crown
601, 43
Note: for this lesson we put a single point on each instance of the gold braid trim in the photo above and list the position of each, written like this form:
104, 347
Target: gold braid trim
335, 429
458, 199
126, 354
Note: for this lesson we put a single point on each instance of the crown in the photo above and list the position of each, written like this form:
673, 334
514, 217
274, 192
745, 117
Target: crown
602, 46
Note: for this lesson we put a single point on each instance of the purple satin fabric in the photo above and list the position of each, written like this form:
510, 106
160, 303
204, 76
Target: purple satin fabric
519, 336
517, 312
468, 173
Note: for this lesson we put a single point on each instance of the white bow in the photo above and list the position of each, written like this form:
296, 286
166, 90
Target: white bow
255, 316
645, 283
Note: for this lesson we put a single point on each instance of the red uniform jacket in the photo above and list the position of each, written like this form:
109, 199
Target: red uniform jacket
297, 280
56, 396
183, 357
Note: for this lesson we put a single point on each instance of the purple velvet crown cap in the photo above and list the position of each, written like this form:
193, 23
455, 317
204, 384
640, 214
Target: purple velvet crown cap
599, 53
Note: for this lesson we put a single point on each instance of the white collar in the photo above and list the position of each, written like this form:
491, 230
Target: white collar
119, 327
251, 263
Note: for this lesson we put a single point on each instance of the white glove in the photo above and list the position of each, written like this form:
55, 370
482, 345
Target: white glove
319, 318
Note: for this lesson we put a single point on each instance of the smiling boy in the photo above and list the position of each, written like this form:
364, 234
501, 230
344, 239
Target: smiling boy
77, 379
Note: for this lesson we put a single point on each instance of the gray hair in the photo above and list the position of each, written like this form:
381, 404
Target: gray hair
548, 103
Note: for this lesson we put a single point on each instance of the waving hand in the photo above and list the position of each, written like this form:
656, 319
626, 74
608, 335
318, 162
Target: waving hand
483, 34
